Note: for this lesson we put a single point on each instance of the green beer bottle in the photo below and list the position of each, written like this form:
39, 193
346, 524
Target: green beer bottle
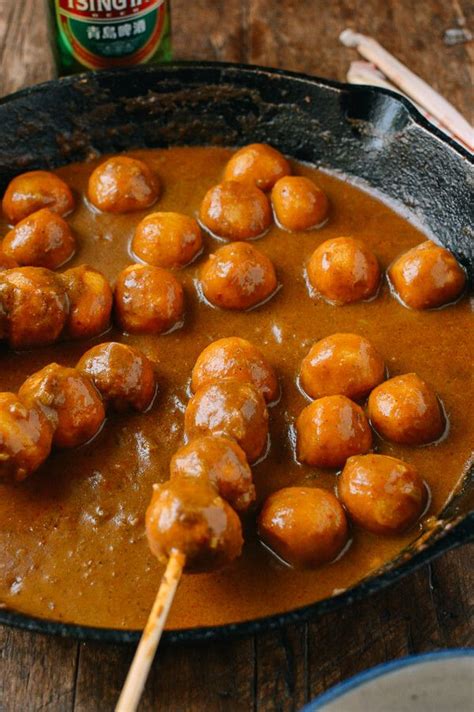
102, 34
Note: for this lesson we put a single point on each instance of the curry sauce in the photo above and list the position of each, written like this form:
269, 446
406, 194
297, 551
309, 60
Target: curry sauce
72, 537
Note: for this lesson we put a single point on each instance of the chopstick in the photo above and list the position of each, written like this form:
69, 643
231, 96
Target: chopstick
411, 85
140, 667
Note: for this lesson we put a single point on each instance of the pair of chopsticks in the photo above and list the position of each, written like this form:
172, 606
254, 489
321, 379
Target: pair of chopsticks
385, 70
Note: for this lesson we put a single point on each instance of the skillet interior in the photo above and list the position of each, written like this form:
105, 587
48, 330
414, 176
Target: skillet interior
362, 132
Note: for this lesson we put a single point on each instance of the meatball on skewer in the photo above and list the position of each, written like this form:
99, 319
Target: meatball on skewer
65, 407
124, 376
39, 307
189, 528
43, 239
233, 357
69, 400
34, 190
26, 437
90, 302
233, 408
221, 462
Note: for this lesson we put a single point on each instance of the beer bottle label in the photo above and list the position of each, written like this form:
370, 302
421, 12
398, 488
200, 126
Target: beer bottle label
111, 33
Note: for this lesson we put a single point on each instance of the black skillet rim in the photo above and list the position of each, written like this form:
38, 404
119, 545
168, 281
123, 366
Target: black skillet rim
453, 535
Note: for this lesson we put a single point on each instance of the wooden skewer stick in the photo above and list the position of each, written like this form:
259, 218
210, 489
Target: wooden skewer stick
411, 84
140, 667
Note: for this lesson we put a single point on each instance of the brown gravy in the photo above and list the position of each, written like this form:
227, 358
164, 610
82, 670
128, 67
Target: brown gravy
72, 542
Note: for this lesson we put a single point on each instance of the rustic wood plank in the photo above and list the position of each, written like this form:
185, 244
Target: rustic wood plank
420, 613
303, 36
281, 682
216, 677
37, 672
25, 55
209, 30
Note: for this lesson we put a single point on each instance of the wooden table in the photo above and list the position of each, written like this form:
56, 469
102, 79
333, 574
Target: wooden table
429, 609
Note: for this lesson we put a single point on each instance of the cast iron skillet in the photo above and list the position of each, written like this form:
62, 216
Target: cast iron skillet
371, 134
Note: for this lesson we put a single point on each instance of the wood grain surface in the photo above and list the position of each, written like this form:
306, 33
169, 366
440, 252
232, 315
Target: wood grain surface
430, 609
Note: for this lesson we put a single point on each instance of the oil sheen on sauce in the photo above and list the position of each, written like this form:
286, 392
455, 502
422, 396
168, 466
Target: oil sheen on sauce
72, 541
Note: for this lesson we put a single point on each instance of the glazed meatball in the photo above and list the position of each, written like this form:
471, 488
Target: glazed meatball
406, 410
221, 462
341, 364
344, 270
35, 305
238, 276
43, 239
123, 375
427, 276
90, 302
188, 516
382, 494
32, 191
298, 203
330, 430
167, 240
236, 358
25, 438
70, 402
257, 164
235, 211
122, 185
148, 300
232, 408
304, 526
6, 262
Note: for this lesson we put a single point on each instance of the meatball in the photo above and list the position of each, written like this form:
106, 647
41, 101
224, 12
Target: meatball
257, 164
148, 300
344, 270
304, 526
32, 191
90, 302
43, 239
122, 185
330, 430
427, 276
221, 462
237, 358
123, 375
25, 438
235, 211
341, 364
34, 303
188, 516
238, 276
232, 408
69, 400
382, 494
167, 240
406, 410
298, 203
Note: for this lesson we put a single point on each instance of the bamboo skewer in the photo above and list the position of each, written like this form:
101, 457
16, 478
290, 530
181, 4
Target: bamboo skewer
412, 85
140, 667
